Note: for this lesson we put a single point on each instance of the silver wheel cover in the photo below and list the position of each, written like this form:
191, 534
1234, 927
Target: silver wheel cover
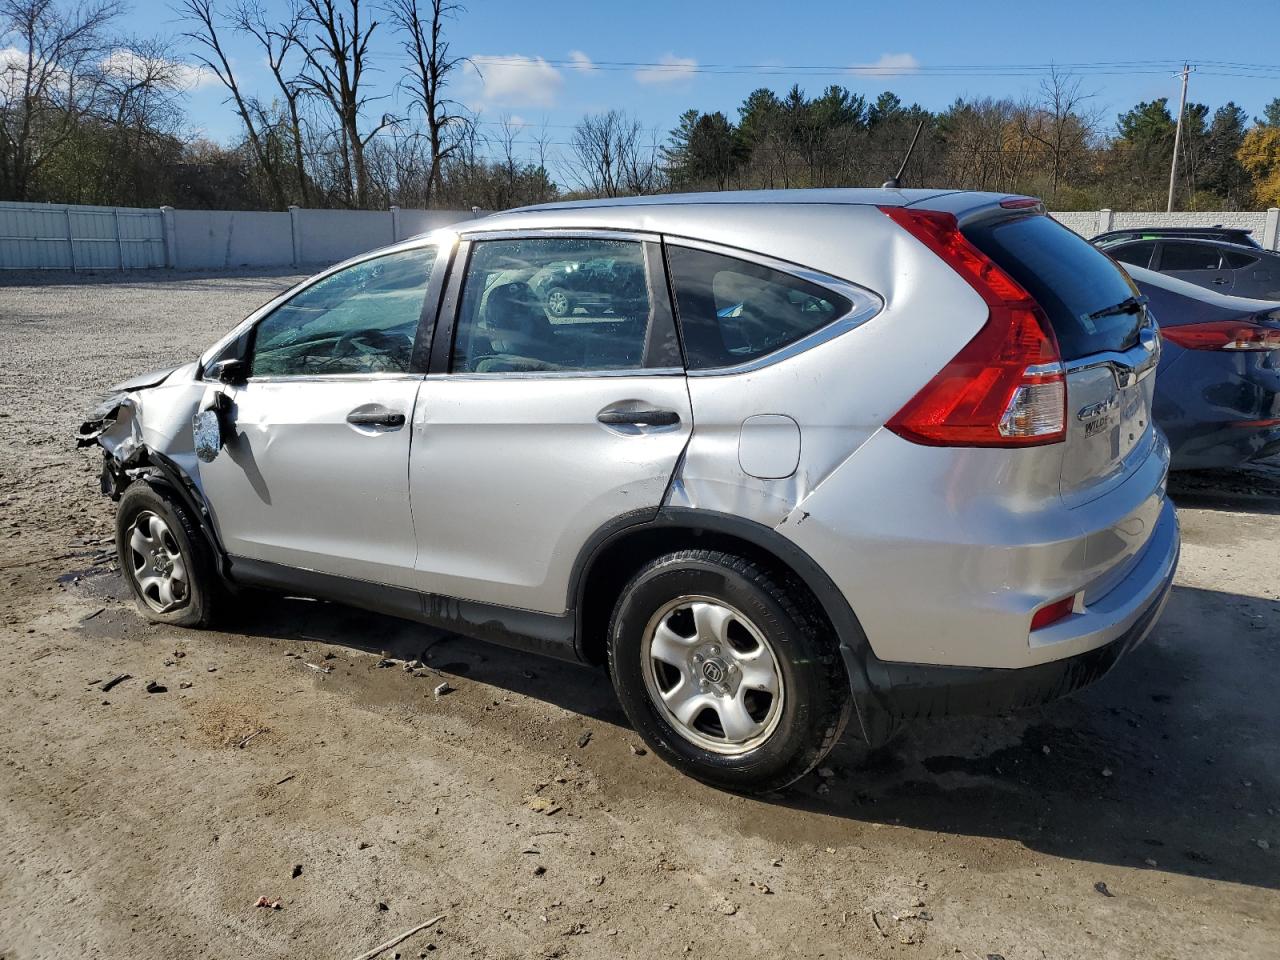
156, 564
712, 674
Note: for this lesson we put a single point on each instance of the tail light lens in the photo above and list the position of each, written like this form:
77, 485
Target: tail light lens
1223, 335
1006, 388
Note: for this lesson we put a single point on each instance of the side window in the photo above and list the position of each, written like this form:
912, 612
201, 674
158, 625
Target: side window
1188, 256
1238, 261
1134, 254
732, 310
560, 304
359, 320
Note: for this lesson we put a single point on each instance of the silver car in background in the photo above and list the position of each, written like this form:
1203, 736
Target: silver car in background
877, 454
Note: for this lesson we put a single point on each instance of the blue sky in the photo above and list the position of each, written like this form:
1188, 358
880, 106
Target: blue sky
557, 60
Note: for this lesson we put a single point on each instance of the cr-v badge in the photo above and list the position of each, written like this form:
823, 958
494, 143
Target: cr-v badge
1097, 416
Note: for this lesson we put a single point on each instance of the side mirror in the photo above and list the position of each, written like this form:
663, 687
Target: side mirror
207, 426
232, 370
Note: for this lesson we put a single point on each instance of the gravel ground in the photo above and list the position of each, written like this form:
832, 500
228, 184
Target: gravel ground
1139, 818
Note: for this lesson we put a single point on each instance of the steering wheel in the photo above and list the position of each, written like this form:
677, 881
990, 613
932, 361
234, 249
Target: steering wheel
363, 343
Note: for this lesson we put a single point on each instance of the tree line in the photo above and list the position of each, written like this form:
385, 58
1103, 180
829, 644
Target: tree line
88, 115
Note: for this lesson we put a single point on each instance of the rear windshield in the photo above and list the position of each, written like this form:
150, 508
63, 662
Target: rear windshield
1068, 277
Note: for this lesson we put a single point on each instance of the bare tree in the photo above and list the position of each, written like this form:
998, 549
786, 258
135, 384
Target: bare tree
278, 39
209, 51
1059, 124
49, 83
609, 157
448, 125
337, 53
138, 90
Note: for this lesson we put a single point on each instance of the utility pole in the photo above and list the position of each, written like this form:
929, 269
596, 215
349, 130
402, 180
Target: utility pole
1177, 136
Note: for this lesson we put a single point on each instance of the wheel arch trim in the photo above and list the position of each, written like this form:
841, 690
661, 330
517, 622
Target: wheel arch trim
852, 639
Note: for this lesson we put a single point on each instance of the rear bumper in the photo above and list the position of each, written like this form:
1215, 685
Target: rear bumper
1117, 622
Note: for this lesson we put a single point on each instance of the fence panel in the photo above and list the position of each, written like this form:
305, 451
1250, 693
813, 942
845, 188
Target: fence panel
57, 236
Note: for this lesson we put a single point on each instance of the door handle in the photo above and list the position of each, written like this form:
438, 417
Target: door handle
375, 418
644, 417
1220, 281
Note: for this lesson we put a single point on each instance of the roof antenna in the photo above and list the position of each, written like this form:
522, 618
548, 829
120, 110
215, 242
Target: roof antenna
896, 182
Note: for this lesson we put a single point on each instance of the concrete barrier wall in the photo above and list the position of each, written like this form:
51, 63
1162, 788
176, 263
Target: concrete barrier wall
1265, 224
216, 239
44, 236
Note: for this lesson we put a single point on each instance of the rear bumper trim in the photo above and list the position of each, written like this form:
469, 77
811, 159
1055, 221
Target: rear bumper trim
911, 691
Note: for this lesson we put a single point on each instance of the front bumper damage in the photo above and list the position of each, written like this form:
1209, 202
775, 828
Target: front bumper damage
144, 429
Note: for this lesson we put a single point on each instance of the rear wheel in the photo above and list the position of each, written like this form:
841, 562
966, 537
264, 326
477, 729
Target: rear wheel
727, 670
165, 559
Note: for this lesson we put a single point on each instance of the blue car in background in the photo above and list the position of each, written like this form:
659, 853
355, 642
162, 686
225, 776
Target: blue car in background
1218, 385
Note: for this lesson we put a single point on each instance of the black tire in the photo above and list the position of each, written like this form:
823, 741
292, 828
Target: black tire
198, 602
815, 704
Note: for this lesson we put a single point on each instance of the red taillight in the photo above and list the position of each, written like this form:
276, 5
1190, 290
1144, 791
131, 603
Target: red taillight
1053, 612
1006, 388
1223, 335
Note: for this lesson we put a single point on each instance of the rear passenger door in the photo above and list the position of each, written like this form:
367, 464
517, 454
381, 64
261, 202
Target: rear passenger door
537, 427
1135, 254
1198, 263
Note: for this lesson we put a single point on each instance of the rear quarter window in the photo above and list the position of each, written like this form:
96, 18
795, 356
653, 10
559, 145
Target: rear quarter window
733, 311
1069, 277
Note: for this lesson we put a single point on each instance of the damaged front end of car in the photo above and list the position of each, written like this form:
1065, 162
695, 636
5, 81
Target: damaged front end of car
150, 430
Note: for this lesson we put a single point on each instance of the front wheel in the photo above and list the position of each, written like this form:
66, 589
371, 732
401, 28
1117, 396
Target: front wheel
728, 670
558, 302
165, 558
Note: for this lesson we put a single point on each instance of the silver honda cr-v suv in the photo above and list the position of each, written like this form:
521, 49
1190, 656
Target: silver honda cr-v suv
780, 459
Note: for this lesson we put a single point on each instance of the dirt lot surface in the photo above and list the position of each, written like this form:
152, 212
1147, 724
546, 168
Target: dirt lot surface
1140, 818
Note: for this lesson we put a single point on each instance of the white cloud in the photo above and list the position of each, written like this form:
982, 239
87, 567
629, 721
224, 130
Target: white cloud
889, 65
581, 62
670, 69
131, 65
514, 80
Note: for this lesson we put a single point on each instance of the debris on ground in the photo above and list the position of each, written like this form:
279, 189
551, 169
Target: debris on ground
386, 662
584, 738
154, 686
875, 921
1106, 771
1263, 844
268, 904
319, 669
727, 907
1101, 887
539, 804
637, 751
118, 679
185, 685
400, 938
241, 745
443, 688
297, 871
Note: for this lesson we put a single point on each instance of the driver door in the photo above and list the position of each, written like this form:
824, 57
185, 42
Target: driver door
314, 473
